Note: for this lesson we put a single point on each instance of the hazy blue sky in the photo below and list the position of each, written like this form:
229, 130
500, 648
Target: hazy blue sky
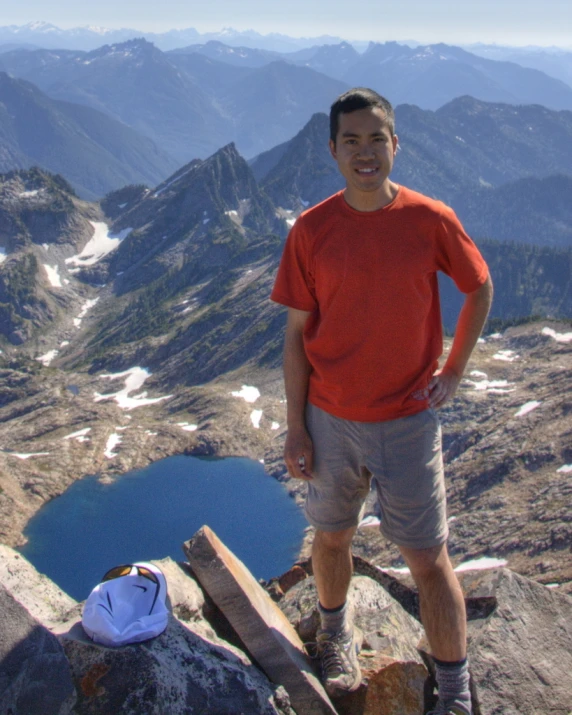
501, 21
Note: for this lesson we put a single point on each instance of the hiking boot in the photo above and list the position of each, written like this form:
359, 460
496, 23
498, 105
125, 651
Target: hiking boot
444, 709
337, 653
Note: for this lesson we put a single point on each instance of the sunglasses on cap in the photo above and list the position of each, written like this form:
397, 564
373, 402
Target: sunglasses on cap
125, 570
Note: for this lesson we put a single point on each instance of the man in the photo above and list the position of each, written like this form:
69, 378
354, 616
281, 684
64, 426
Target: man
363, 337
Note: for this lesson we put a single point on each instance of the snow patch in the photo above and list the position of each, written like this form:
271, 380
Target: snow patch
47, 358
28, 194
274, 426
485, 562
84, 308
112, 441
255, 417
559, 337
290, 221
565, 469
133, 380
494, 386
187, 427
101, 243
527, 407
369, 520
2, 254
506, 355
80, 435
53, 275
248, 393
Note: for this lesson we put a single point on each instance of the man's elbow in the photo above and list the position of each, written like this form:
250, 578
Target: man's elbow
484, 293
489, 289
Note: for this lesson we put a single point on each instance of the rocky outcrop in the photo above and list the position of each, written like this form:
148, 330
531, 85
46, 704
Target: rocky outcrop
260, 624
521, 659
519, 645
35, 676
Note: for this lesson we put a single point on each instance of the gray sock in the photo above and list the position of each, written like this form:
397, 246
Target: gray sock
453, 682
334, 621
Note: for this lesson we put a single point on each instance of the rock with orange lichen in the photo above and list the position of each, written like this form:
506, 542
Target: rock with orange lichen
389, 686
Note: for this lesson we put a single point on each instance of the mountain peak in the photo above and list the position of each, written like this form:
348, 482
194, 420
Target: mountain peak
137, 48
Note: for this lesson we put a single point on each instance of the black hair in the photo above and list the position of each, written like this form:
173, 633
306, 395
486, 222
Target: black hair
359, 98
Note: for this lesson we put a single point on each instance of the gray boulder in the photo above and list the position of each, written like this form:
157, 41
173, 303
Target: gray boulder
387, 627
178, 673
521, 654
40, 596
35, 676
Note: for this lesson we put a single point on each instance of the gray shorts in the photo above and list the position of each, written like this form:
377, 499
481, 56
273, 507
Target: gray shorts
403, 458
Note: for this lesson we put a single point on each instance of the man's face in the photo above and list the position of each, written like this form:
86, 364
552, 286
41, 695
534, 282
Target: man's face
364, 149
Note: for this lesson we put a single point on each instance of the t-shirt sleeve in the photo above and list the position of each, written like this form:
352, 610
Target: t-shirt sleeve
294, 284
457, 255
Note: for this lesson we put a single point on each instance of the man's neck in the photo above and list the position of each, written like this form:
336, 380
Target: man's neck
371, 200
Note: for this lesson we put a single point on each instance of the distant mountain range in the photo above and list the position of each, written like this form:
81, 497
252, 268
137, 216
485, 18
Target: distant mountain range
432, 75
553, 61
188, 105
192, 101
93, 151
191, 104
46, 35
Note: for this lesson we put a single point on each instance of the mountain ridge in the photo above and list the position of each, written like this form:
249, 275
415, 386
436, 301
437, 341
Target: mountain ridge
92, 150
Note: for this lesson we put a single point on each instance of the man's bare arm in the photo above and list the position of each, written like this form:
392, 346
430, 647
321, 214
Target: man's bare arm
471, 321
298, 451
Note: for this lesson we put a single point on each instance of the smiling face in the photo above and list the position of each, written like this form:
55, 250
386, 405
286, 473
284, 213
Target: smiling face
364, 150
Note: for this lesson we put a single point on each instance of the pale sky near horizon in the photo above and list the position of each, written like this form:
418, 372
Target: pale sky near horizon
505, 22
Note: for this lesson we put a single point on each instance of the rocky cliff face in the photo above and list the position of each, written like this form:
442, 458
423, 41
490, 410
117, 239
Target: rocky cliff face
41, 223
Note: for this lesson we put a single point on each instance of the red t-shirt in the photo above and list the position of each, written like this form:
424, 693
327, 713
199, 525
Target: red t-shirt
370, 281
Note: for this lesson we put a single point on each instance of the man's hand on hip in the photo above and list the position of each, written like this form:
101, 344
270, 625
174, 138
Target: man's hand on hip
443, 387
299, 453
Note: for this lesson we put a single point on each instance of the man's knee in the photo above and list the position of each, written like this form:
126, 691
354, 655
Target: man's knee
334, 540
428, 564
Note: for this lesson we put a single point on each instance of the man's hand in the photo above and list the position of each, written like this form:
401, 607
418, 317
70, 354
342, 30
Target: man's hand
299, 453
443, 387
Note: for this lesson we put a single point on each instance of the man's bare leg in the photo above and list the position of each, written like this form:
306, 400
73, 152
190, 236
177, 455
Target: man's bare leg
441, 601
337, 640
332, 565
444, 618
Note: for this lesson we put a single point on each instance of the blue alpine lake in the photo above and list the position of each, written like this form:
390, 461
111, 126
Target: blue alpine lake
148, 513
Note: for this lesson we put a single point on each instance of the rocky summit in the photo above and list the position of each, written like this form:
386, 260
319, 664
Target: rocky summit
233, 645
